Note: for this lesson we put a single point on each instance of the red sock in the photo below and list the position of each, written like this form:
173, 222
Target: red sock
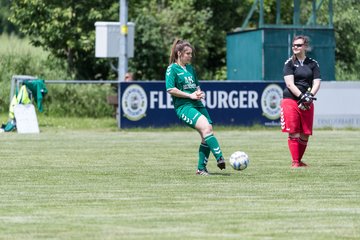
293, 144
302, 147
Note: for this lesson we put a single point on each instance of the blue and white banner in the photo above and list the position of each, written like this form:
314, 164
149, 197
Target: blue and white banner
147, 104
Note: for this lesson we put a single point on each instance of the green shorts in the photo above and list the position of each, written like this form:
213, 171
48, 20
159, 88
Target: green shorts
190, 114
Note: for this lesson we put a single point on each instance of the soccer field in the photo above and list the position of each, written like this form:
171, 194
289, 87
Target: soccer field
92, 184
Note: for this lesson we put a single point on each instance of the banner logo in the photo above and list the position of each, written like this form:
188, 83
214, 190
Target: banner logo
134, 102
270, 101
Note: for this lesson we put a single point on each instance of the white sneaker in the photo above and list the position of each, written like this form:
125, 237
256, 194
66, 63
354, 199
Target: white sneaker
203, 172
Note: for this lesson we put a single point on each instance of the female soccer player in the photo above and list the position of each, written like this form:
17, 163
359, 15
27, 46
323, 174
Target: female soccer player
302, 78
183, 85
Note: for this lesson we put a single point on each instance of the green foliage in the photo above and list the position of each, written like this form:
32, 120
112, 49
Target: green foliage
150, 58
226, 16
158, 23
6, 27
344, 72
21, 58
347, 33
66, 29
159, 26
69, 100
203, 23
346, 20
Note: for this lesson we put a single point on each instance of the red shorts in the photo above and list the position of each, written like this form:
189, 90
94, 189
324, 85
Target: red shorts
295, 120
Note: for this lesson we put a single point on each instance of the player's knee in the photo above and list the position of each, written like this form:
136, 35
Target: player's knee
304, 136
294, 135
204, 129
207, 130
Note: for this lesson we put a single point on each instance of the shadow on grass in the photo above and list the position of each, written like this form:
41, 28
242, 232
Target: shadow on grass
220, 174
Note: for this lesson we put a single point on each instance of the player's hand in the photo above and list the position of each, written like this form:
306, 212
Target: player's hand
306, 97
304, 107
305, 100
196, 95
200, 93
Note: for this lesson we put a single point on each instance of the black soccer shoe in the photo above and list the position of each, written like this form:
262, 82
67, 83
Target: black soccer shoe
221, 163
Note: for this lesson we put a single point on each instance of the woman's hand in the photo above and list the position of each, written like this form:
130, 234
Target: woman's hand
197, 95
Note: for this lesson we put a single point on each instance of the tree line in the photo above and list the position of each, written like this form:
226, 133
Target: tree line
66, 29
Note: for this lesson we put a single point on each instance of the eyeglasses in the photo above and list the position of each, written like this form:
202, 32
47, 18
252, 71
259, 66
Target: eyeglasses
298, 45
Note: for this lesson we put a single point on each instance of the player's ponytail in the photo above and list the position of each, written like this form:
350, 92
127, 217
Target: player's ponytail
178, 46
173, 51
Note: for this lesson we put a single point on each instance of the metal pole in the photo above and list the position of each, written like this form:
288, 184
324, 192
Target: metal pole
296, 17
246, 22
123, 60
15, 81
261, 18
314, 12
331, 13
278, 12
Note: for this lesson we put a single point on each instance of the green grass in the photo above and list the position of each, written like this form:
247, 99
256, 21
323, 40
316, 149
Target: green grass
13, 45
100, 183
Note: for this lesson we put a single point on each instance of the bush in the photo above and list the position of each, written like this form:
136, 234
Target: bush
74, 100
18, 57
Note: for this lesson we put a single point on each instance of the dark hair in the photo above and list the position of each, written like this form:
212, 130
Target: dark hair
178, 46
306, 44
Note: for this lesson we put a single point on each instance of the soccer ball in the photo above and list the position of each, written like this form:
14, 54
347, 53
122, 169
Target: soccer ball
239, 160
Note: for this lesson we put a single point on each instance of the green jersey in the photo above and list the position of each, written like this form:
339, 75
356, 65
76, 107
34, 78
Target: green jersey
185, 80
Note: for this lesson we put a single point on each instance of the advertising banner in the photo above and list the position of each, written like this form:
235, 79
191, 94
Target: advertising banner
342, 111
147, 104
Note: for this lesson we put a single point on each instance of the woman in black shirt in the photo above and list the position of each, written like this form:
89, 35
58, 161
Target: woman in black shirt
302, 78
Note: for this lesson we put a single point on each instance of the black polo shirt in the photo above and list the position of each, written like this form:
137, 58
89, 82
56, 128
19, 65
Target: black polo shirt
304, 74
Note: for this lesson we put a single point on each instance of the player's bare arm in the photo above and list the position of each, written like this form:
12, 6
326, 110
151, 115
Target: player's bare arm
178, 93
316, 86
289, 81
